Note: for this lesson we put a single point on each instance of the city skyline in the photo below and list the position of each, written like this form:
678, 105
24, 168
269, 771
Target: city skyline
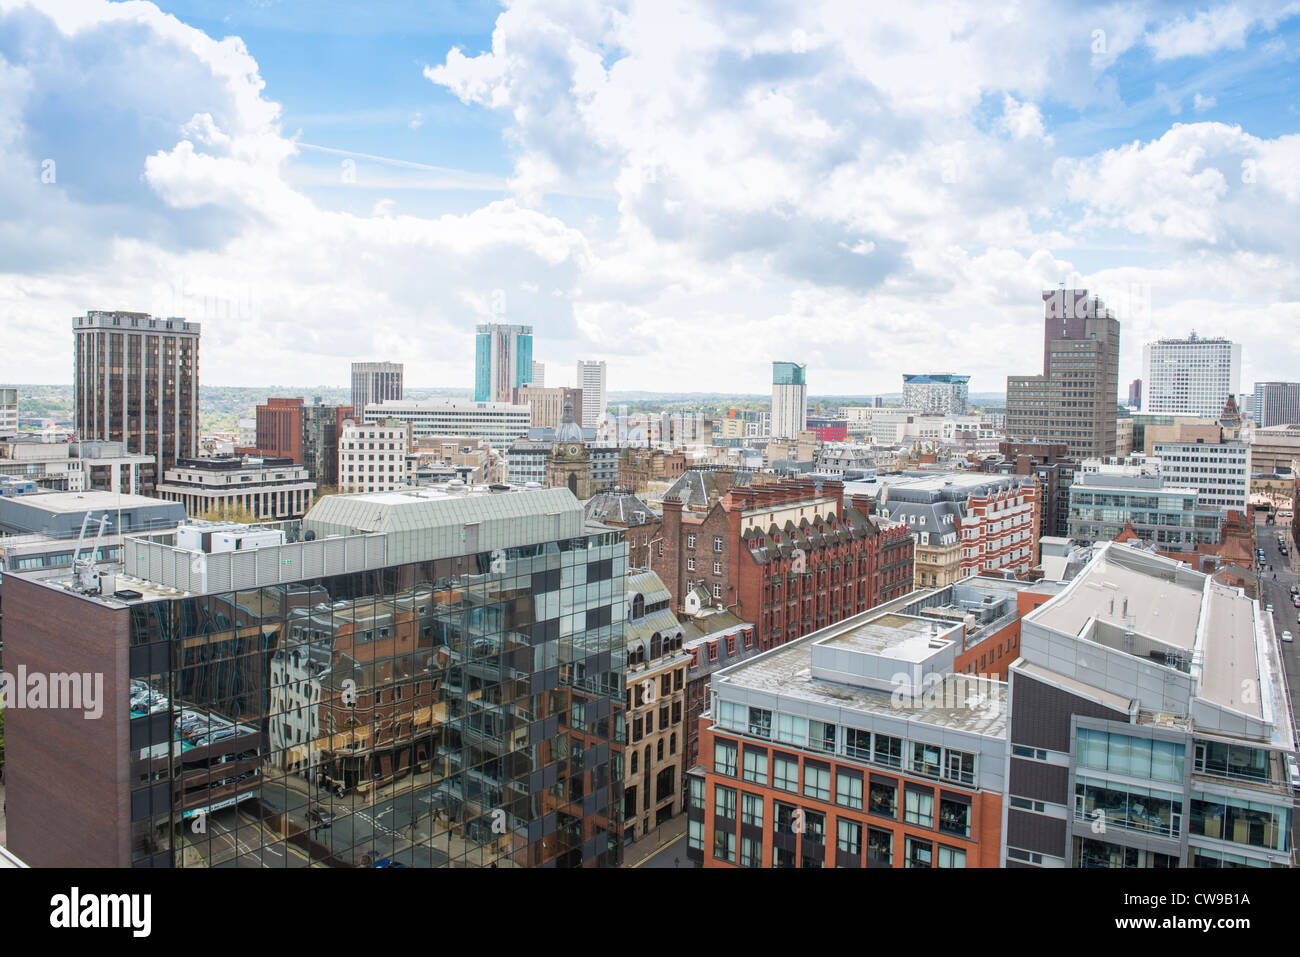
413, 194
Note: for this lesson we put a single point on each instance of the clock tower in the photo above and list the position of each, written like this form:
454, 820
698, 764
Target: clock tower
569, 464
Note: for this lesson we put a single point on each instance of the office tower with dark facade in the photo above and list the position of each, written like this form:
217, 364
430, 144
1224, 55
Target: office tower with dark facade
136, 381
1135, 394
307, 434
375, 382
431, 677
1074, 400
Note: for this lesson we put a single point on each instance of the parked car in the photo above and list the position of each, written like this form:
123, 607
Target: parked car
1287, 636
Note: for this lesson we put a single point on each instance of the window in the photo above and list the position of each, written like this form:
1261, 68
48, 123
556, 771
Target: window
814, 827
848, 790
751, 809
717, 590
760, 722
821, 736
959, 766
918, 853
817, 782
697, 793
950, 857
690, 564
919, 808
724, 758
954, 817
1035, 754
785, 773
717, 568
755, 766
751, 852
857, 744
717, 544
690, 541
925, 759
880, 846
791, 730
725, 799
883, 799
724, 846
849, 837
695, 835
889, 751
731, 715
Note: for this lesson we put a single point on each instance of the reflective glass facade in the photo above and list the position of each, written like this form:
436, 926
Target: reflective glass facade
463, 712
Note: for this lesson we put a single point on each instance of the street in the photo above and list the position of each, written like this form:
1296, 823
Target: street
1286, 617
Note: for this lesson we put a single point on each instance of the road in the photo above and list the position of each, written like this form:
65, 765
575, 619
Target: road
1286, 617
671, 855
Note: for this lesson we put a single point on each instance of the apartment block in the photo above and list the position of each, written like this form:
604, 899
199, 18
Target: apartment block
789, 556
503, 360
962, 522
373, 456
655, 707
789, 399
854, 746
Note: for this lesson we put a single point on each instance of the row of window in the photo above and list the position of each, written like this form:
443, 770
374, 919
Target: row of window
788, 820
931, 760
881, 795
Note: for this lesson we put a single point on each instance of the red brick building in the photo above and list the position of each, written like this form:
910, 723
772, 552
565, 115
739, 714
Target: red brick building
788, 556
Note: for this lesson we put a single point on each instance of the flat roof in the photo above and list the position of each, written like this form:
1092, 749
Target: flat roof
1231, 676
787, 672
1175, 605
1152, 605
894, 636
64, 502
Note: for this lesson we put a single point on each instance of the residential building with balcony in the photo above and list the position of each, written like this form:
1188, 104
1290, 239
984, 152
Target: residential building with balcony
854, 746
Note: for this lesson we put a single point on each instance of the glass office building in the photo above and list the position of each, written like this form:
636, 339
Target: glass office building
441, 687
462, 712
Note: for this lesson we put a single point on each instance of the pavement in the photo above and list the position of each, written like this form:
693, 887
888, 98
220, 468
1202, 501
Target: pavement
661, 847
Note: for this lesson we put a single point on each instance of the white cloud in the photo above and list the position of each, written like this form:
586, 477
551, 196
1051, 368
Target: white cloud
811, 183
1202, 103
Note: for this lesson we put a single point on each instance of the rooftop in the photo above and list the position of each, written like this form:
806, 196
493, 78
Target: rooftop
894, 636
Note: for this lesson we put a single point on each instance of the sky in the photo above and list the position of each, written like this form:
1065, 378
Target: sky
688, 191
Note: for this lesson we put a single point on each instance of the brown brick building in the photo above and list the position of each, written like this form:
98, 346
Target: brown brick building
788, 556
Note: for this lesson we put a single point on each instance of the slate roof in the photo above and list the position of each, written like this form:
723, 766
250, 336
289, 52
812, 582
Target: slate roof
619, 507
764, 546
699, 487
